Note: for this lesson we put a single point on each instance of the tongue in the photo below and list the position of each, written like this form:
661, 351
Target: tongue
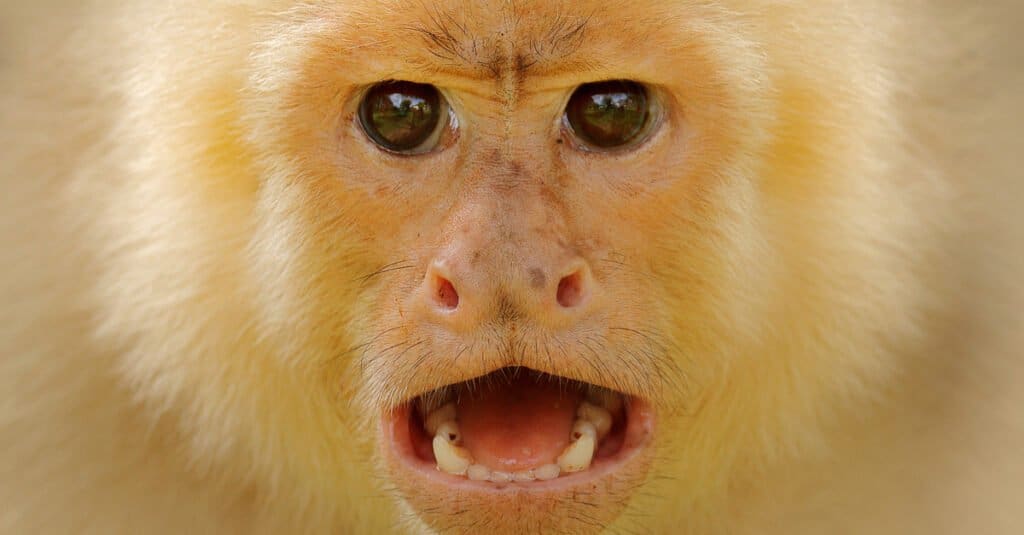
517, 425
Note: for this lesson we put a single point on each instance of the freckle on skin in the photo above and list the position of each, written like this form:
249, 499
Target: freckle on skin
537, 278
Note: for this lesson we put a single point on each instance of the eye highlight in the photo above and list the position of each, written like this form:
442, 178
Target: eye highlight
403, 117
607, 115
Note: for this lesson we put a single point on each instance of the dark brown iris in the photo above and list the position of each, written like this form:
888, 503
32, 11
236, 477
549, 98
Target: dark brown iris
401, 116
608, 114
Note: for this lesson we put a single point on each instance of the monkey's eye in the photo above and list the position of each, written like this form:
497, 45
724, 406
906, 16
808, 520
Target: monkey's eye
606, 115
403, 117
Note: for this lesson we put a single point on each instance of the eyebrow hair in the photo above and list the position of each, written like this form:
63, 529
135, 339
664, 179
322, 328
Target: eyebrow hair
453, 42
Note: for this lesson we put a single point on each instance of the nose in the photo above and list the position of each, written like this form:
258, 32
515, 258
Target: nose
467, 288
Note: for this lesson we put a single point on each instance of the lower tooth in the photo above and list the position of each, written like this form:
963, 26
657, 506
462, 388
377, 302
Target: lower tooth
449, 431
478, 472
451, 458
583, 427
501, 477
526, 475
546, 472
577, 455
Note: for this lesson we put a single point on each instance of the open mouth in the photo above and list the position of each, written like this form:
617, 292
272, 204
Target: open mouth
520, 429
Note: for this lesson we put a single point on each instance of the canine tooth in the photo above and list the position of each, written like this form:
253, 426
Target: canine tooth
451, 458
579, 453
581, 428
449, 431
501, 477
478, 472
445, 413
602, 397
597, 415
525, 475
548, 471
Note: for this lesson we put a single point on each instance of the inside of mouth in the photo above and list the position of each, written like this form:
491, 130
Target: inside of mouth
517, 425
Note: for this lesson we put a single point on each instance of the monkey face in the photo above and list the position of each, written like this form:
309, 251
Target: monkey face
533, 256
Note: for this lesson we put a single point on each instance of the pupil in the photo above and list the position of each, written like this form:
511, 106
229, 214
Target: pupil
608, 114
400, 116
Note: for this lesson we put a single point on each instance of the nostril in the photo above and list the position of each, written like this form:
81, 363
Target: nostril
444, 293
570, 290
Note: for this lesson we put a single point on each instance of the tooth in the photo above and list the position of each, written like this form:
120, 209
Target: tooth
599, 416
580, 452
581, 428
449, 431
602, 397
501, 477
525, 475
478, 472
451, 458
434, 420
546, 472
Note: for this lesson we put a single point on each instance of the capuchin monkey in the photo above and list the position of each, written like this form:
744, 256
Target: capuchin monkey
502, 267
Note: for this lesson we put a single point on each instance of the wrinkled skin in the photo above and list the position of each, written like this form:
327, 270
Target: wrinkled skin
215, 286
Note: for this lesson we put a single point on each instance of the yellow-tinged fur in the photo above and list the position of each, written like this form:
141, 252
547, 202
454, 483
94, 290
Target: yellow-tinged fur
832, 265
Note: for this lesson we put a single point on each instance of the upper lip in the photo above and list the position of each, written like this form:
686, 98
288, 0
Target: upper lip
401, 364
419, 388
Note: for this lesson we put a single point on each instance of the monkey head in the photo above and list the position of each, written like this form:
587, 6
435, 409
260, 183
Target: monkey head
519, 265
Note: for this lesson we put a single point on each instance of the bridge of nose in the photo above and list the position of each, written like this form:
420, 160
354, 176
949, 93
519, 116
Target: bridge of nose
517, 241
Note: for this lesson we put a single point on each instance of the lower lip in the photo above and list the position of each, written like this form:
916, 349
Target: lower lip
400, 452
